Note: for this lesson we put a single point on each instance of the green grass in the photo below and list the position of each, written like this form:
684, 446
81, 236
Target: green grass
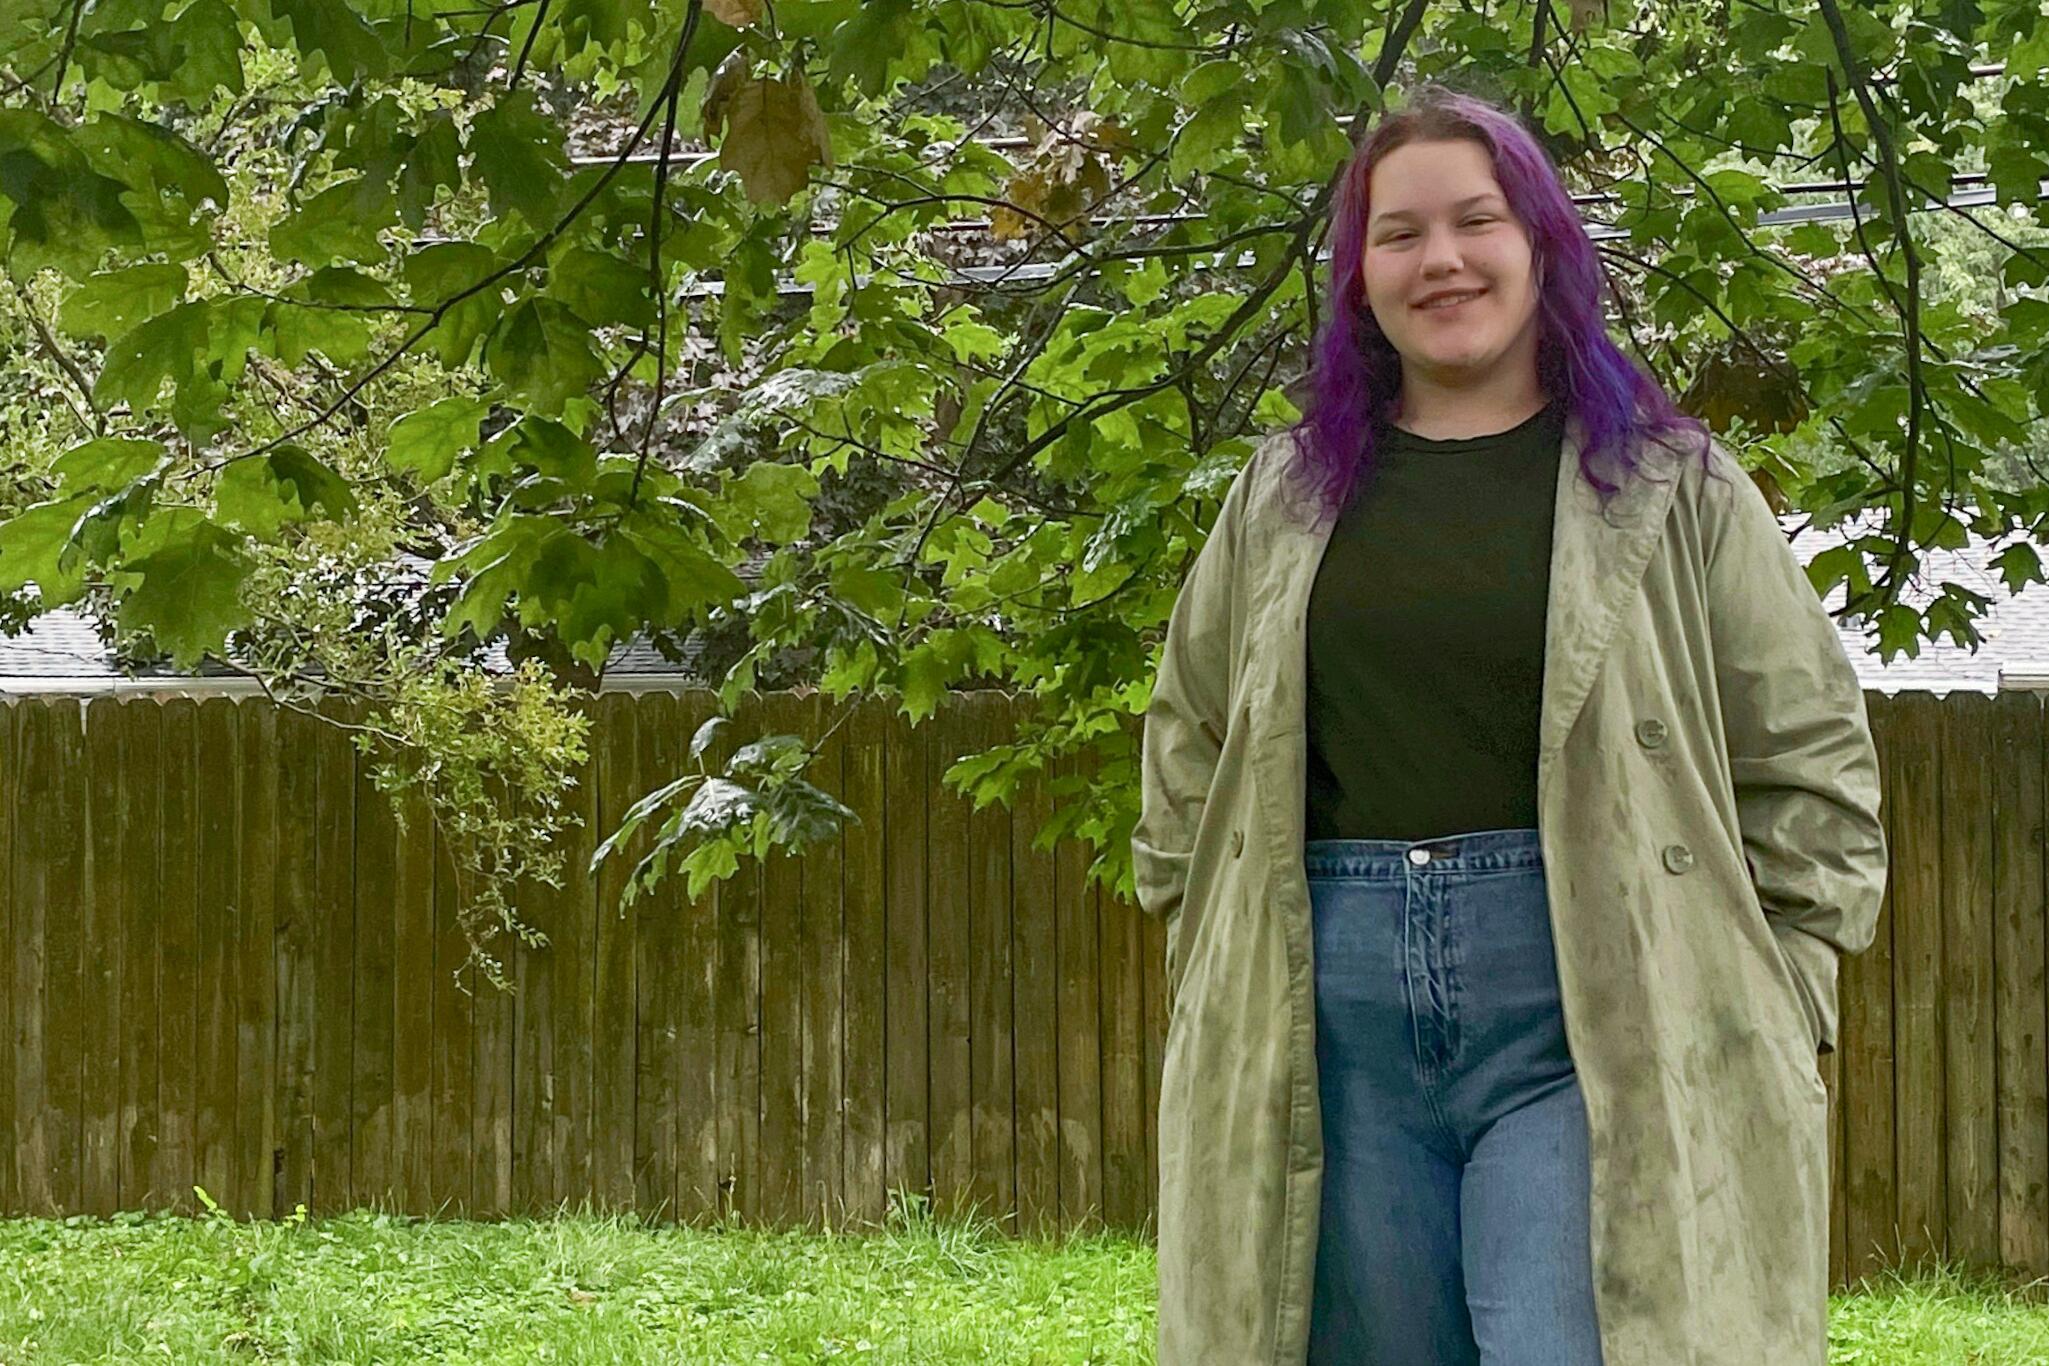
376, 1288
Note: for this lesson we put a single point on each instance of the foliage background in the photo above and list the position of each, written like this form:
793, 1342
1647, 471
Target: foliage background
425, 352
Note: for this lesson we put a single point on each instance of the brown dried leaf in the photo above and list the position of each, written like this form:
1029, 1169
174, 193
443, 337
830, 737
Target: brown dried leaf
774, 132
724, 81
1736, 383
736, 13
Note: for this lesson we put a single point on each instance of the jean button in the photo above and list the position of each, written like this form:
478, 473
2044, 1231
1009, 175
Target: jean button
1419, 857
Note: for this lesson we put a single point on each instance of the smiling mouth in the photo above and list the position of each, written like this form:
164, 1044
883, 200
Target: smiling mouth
1445, 306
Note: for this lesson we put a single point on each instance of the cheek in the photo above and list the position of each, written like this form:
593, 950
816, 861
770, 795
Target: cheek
1378, 285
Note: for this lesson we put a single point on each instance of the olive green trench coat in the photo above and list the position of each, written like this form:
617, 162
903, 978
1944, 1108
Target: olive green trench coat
1708, 800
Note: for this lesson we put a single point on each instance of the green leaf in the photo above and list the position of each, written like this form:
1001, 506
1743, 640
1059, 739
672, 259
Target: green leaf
517, 153
601, 288
2019, 565
261, 494
334, 30
862, 49
151, 157
164, 348
691, 578
57, 209
434, 275
339, 223
543, 447
187, 593
31, 544
543, 353
191, 56
427, 442
771, 501
323, 313
110, 462
201, 347
431, 164
111, 302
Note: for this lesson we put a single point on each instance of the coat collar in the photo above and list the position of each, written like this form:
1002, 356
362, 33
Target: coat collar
1597, 561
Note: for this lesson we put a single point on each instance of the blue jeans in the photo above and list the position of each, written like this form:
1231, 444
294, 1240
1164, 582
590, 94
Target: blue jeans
1455, 1185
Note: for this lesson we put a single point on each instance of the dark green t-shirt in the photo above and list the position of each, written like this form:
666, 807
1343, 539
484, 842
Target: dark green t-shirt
1426, 638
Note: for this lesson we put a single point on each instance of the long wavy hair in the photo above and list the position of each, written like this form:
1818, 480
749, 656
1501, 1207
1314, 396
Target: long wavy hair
1354, 379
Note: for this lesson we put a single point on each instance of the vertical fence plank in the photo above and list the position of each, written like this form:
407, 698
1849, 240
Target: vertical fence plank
10, 781
992, 1087
1971, 1140
949, 927
1036, 989
1918, 1029
1080, 1006
782, 1005
373, 1035
456, 989
1123, 1063
139, 810
1830, 1069
49, 876
824, 983
658, 967
297, 924
495, 1078
177, 939
1865, 1047
65, 849
1153, 1035
333, 911
658, 970
689, 997
614, 1065
33, 783
907, 819
256, 974
738, 998
413, 986
865, 1043
574, 1025
100, 1160
532, 1003
217, 959
2020, 987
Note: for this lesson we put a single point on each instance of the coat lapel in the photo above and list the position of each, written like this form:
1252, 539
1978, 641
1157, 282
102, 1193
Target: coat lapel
1597, 560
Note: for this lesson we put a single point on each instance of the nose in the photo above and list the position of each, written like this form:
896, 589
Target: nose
1440, 252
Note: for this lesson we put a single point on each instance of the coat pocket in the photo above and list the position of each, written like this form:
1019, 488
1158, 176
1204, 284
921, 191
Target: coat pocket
1799, 989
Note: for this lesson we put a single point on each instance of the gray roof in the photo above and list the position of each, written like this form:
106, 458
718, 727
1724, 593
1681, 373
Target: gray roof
61, 652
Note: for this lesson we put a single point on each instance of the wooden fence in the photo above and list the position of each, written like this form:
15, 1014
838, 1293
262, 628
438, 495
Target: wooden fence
226, 964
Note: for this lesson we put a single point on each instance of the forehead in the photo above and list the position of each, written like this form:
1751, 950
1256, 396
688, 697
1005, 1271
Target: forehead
1431, 177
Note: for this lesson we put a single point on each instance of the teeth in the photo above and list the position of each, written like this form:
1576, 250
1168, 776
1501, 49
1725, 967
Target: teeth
1447, 303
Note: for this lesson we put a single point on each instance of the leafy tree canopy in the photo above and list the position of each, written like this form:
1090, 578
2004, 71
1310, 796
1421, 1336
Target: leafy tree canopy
909, 345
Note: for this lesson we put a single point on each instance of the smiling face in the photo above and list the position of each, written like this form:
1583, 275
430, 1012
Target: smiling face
1440, 225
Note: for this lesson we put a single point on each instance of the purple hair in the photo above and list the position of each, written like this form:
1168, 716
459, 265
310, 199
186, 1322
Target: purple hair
1354, 378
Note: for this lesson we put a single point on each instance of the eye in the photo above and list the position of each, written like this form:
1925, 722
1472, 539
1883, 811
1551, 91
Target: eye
1482, 218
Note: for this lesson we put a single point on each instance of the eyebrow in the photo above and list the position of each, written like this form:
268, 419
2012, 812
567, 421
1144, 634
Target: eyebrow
1462, 204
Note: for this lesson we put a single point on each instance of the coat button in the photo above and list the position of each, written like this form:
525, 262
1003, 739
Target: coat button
1678, 857
1237, 843
1650, 732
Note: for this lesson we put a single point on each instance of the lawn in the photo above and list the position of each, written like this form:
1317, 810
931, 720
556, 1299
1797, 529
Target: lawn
377, 1288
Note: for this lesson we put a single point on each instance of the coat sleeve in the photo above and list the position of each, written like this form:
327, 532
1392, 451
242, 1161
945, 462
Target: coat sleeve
1805, 771
1186, 718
